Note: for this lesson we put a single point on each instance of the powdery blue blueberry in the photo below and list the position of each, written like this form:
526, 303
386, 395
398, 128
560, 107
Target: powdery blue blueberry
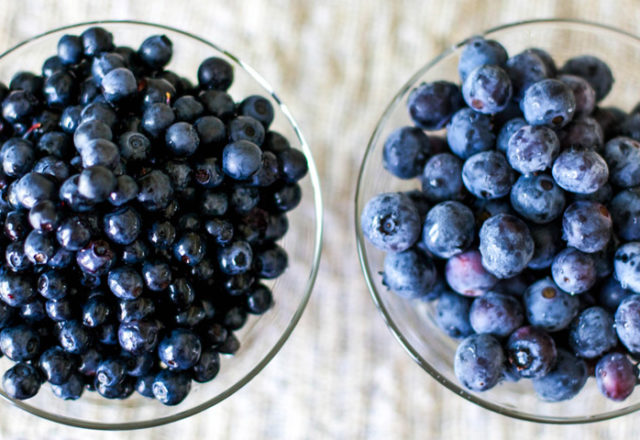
587, 226
496, 314
442, 178
405, 152
479, 52
580, 171
622, 155
479, 362
592, 333
487, 89
525, 69
410, 274
431, 105
466, 275
548, 102
452, 314
391, 222
594, 70
469, 133
532, 148
487, 175
548, 307
574, 271
564, 381
625, 263
448, 229
627, 323
506, 245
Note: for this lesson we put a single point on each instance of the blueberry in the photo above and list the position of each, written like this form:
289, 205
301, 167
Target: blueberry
135, 252
96, 311
525, 69
215, 73
138, 336
19, 105
171, 388
218, 103
594, 70
72, 389
57, 365
479, 362
587, 226
532, 148
91, 130
211, 131
118, 85
467, 276
96, 183
547, 243
17, 157
39, 247
60, 310
537, 198
548, 307
611, 294
469, 133
214, 203
487, 175
157, 275
111, 371
73, 234
583, 132
573, 271
531, 352
181, 138
144, 385
123, 226
157, 117
190, 248
622, 155
180, 350
125, 282
506, 131
16, 225
70, 49
34, 187
448, 229
161, 234
54, 143
479, 52
59, 89
506, 245
188, 109
136, 309
156, 51
121, 390
290, 166
52, 167
431, 105
207, 367
96, 40
487, 89
616, 376
420, 201
580, 171
45, 216
625, 261
495, 314
410, 274
235, 258
548, 102
391, 222
220, 230
583, 93
441, 178
156, 190
52, 285
22, 381
20, 343
452, 314
564, 381
73, 336
99, 111
405, 152
259, 108
15, 257
96, 258
592, 333
126, 189
100, 152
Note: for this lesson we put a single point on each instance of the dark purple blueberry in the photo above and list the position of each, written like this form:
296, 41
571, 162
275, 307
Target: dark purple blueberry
547, 243
138, 336
70, 49
180, 350
531, 352
410, 274
156, 51
594, 70
73, 337
616, 376
125, 282
467, 276
96, 258
22, 381
20, 343
583, 132
156, 190
431, 105
90, 130
583, 93
215, 73
611, 294
157, 275
72, 389
405, 152
525, 69
57, 365
34, 187
96, 40
452, 314
171, 388
259, 108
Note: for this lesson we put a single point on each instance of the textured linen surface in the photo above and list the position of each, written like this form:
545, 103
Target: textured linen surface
336, 64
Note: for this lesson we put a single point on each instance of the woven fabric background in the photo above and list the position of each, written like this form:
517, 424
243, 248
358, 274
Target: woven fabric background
336, 64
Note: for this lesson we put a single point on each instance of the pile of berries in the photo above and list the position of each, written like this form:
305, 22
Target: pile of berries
527, 227
139, 213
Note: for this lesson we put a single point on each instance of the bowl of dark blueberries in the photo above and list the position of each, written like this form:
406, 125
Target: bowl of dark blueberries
498, 220
160, 224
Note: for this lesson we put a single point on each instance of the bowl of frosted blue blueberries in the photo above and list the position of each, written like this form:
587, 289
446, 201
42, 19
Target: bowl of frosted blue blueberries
161, 224
497, 217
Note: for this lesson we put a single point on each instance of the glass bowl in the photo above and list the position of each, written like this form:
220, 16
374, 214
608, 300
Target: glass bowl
412, 321
262, 336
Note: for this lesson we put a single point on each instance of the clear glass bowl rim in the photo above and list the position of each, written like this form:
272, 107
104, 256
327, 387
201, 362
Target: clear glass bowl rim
364, 262
317, 247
